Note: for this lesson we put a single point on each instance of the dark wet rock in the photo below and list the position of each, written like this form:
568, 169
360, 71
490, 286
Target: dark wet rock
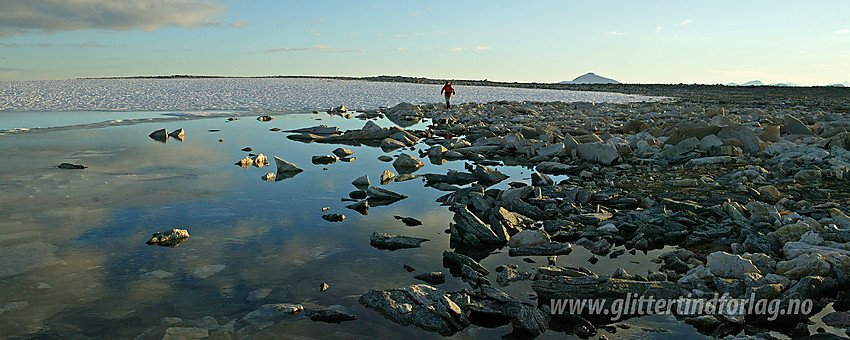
488, 176
555, 168
590, 287
159, 135
284, 167
362, 207
433, 278
408, 268
265, 118
524, 316
342, 152
170, 238
325, 159
318, 130
420, 305
468, 269
71, 166
361, 182
323, 287
385, 158
329, 315
470, 230
389, 144
381, 194
393, 242
541, 180
333, 217
837, 319
358, 194
408, 221
405, 163
247, 149
510, 273
178, 134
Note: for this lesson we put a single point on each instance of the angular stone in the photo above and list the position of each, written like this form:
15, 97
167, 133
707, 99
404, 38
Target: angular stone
393, 242
795, 127
420, 305
169, 238
730, 266
405, 163
470, 230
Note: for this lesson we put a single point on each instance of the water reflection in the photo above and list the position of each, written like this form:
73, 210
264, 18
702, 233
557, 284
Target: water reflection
252, 243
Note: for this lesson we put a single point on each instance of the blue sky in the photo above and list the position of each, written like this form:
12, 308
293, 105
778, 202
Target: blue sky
542, 41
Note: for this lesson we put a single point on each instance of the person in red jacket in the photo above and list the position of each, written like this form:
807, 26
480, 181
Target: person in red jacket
449, 91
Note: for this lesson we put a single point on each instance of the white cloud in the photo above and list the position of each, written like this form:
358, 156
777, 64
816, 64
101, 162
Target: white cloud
400, 49
456, 49
687, 21
321, 19
481, 48
311, 48
401, 35
20, 17
614, 33
658, 29
844, 31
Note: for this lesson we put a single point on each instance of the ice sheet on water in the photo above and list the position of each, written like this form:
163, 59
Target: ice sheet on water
252, 94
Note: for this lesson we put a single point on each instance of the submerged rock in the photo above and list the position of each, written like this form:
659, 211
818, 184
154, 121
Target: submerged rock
433, 278
170, 238
71, 166
325, 159
333, 217
408, 221
329, 315
393, 242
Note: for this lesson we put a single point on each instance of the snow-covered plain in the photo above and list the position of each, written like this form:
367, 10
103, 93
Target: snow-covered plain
254, 94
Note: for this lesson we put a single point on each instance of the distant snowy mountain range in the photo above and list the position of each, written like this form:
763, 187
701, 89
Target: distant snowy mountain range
760, 83
590, 78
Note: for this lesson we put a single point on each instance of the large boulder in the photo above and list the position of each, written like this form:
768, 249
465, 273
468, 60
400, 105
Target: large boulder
420, 305
728, 265
284, 167
601, 153
529, 238
404, 110
405, 163
794, 126
470, 230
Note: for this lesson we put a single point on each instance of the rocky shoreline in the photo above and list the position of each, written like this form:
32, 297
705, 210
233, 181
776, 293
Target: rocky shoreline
754, 198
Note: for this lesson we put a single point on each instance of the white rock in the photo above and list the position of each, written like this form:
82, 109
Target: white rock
207, 271
529, 238
729, 266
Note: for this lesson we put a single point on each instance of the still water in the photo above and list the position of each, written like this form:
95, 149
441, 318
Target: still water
252, 242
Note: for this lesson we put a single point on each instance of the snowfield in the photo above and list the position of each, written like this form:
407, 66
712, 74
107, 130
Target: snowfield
252, 94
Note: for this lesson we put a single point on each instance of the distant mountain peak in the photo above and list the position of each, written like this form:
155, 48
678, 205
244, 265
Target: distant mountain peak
591, 78
753, 83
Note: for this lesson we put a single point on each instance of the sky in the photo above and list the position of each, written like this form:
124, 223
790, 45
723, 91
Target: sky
803, 42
